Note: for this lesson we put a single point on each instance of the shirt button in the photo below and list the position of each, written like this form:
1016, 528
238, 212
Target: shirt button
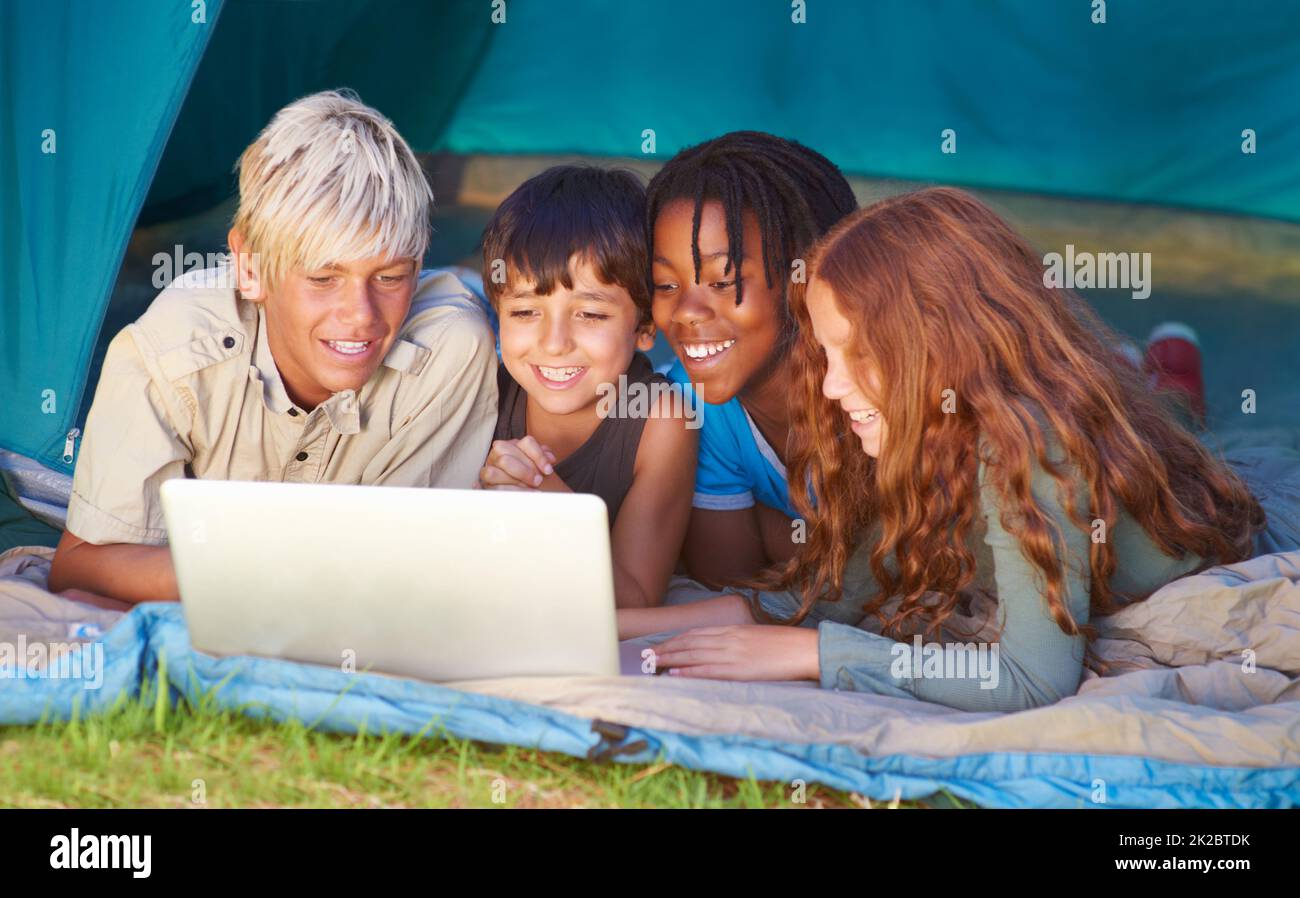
293, 412
229, 342
301, 456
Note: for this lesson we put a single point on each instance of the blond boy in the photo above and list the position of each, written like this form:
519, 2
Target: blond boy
322, 355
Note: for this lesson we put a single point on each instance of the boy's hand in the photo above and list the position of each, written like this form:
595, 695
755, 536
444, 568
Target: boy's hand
516, 464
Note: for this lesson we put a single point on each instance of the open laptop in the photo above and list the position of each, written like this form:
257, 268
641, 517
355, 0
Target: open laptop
427, 583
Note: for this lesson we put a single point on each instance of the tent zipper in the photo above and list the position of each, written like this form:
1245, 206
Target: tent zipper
70, 445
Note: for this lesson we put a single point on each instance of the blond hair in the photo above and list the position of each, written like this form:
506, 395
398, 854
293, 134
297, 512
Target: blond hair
330, 180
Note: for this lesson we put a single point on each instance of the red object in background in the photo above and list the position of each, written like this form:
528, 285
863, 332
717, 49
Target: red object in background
1173, 363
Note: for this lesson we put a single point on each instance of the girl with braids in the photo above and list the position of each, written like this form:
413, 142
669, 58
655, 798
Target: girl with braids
729, 220
970, 438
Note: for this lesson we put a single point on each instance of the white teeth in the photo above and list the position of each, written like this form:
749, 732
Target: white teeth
704, 350
864, 416
559, 374
348, 347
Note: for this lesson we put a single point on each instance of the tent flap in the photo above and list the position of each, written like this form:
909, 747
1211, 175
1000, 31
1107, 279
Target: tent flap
87, 100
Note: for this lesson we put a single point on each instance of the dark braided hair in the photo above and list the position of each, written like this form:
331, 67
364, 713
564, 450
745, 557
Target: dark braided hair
796, 194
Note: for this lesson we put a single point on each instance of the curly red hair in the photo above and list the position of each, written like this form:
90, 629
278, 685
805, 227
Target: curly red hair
943, 295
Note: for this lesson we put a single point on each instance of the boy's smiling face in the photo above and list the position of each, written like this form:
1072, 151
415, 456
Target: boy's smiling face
562, 346
725, 347
329, 329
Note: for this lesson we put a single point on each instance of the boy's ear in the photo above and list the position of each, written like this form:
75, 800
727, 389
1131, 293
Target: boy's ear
247, 278
645, 336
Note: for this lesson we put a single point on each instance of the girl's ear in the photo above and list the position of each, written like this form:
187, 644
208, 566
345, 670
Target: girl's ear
247, 279
645, 336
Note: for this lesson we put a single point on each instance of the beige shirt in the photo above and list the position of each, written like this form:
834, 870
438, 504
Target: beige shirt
190, 389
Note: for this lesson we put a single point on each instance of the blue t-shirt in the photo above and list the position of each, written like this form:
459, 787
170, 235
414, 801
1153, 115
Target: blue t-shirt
736, 464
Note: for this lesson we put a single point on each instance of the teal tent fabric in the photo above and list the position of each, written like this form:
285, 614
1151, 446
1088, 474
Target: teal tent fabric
1149, 106
19, 528
410, 59
100, 85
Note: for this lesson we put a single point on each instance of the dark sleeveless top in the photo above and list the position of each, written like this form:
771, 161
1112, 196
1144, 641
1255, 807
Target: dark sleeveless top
604, 464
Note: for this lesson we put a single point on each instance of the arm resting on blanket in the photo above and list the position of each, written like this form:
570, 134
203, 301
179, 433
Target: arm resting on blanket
1037, 663
866, 662
118, 570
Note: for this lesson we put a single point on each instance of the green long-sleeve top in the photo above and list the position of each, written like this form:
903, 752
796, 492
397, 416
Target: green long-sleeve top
1036, 662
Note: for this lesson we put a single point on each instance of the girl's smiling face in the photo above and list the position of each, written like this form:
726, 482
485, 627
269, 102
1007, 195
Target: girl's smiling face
725, 347
840, 384
560, 347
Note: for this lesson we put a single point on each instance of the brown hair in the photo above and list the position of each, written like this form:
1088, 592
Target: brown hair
596, 213
943, 295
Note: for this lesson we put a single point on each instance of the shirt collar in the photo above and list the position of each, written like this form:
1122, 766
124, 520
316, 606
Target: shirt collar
764, 448
273, 391
343, 409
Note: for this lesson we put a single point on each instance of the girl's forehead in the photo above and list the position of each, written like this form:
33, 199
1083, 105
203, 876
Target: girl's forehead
675, 223
828, 319
712, 212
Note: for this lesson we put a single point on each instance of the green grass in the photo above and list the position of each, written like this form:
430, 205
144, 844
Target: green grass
148, 752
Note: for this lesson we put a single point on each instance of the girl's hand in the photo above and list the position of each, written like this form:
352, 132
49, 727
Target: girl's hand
742, 653
516, 464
